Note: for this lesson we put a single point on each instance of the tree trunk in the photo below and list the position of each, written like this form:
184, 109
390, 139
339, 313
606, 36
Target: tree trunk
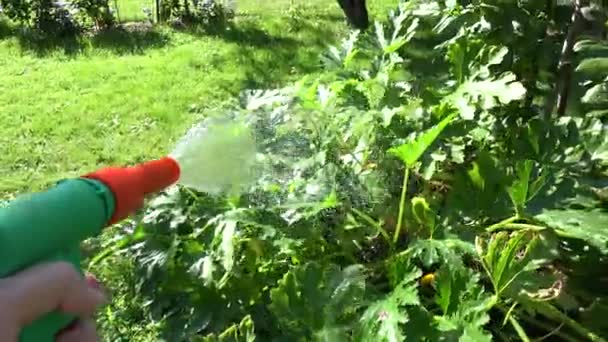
356, 13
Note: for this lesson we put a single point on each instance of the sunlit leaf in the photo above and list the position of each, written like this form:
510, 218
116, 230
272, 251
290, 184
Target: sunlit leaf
423, 213
451, 282
590, 226
475, 176
475, 334
506, 256
411, 151
430, 252
593, 67
463, 303
596, 95
518, 191
485, 94
384, 320
226, 228
243, 331
312, 298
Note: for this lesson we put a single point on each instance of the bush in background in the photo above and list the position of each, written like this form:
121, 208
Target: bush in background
59, 18
210, 14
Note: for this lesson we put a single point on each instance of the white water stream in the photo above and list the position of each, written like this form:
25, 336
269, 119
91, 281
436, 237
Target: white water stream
217, 155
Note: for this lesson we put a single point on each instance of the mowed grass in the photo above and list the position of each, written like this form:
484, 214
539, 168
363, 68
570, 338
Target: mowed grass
68, 107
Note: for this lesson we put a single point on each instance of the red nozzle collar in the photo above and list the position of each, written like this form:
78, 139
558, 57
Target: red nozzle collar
130, 185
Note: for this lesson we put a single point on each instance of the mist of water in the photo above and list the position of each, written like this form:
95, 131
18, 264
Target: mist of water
217, 155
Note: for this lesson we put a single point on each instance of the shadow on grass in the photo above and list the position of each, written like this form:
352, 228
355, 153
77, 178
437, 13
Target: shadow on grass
134, 38
126, 39
270, 55
137, 37
245, 33
268, 52
307, 14
6, 30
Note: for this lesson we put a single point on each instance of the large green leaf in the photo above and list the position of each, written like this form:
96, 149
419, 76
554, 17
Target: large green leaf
595, 68
523, 189
518, 191
384, 320
430, 252
480, 191
397, 39
242, 332
506, 256
451, 283
485, 94
466, 324
595, 140
463, 303
228, 229
589, 48
473, 333
312, 299
596, 95
594, 317
590, 226
411, 151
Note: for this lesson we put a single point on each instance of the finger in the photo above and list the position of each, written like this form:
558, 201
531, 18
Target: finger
47, 287
83, 331
94, 283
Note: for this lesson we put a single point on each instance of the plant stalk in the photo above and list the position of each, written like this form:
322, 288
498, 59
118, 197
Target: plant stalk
501, 223
547, 327
371, 222
526, 226
514, 226
574, 325
519, 329
564, 71
406, 176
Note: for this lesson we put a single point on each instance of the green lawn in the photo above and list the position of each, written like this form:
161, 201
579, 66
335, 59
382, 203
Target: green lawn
123, 96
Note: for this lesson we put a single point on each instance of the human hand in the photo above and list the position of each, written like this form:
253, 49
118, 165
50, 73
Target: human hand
44, 288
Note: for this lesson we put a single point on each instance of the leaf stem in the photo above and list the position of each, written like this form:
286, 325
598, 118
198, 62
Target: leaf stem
550, 333
540, 324
514, 226
526, 226
519, 329
574, 325
547, 327
192, 193
374, 224
406, 176
501, 223
508, 314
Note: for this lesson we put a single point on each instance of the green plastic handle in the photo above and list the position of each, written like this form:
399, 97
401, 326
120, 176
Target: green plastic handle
49, 226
